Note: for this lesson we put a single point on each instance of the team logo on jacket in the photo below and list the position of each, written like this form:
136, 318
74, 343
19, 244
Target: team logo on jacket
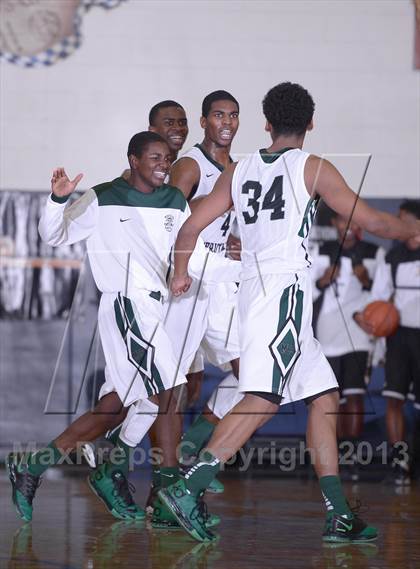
169, 222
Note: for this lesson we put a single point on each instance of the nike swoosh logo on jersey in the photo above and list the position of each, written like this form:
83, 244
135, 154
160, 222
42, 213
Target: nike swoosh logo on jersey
208, 175
122, 220
168, 475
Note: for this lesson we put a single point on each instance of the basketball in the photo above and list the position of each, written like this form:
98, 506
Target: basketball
383, 317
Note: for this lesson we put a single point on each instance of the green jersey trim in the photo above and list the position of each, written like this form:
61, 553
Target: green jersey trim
121, 193
308, 216
210, 159
59, 199
270, 157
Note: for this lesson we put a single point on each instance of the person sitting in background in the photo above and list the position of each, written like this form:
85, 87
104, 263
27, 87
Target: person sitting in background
399, 279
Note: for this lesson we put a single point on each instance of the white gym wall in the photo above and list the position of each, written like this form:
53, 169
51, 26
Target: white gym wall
355, 57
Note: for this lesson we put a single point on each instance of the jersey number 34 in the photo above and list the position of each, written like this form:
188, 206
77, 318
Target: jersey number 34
273, 199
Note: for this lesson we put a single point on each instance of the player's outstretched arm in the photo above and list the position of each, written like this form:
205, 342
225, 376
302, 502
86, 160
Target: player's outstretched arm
210, 208
322, 178
185, 175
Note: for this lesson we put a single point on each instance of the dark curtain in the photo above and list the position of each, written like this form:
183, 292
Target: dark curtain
36, 281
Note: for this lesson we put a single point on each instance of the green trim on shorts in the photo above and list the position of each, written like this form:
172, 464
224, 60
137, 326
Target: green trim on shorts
285, 346
140, 352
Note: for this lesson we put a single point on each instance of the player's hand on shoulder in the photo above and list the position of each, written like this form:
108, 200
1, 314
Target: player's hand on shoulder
61, 185
184, 175
180, 284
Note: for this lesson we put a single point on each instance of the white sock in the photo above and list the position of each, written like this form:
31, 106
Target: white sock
140, 418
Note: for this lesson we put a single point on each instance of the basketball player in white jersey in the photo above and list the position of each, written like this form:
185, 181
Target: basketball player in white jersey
130, 230
206, 317
275, 192
214, 319
168, 119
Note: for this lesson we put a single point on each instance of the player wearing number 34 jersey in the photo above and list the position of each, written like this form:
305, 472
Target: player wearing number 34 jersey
275, 304
274, 192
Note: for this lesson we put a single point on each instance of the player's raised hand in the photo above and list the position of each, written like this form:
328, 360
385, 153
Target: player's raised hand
61, 185
179, 285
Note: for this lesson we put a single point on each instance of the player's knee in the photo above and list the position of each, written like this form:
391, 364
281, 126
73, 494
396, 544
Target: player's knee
110, 403
394, 404
169, 399
264, 403
327, 402
355, 401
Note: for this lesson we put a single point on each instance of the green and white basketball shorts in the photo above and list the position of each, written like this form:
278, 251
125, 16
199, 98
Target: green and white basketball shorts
138, 352
279, 353
204, 321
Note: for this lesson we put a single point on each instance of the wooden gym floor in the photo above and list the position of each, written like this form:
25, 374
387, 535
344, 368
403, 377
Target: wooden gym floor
266, 523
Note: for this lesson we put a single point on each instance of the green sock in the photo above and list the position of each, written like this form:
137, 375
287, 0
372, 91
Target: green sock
38, 462
156, 477
196, 436
120, 458
201, 473
333, 495
168, 475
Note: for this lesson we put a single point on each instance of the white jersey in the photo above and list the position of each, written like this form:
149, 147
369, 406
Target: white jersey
214, 235
129, 236
274, 212
336, 329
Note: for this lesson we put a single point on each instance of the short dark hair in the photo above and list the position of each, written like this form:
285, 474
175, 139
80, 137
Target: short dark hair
289, 108
162, 105
411, 206
213, 97
140, 141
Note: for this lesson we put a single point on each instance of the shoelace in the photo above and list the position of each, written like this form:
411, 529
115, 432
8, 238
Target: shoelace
124, 490
29, 485
200, 511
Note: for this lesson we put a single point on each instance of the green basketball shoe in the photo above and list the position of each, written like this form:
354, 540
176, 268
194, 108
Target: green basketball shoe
163, 518
24, 485
215, 487
187, 510
115, 492
347, 529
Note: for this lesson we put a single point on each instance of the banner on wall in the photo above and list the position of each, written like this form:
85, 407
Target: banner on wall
36, 281
35, 33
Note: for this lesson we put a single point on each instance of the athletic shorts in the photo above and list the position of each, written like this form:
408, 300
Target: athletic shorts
350, 369
279, 353
138, 352
204, 320
402, 365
